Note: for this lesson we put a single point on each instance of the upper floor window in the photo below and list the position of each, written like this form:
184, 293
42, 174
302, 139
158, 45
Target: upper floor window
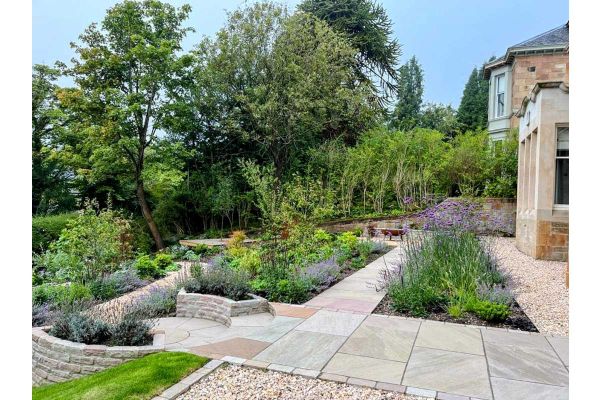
561, 186
500, 94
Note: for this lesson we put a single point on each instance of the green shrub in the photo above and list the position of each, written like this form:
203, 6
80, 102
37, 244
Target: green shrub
201, 249
47, 229
92, 245
493, 312
60, 295
130, 332
348, 240
147, 268
415, 300
163, 261
321, 235
294, 290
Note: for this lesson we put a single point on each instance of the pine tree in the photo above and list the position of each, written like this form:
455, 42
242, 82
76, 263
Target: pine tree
410, 95
473, 109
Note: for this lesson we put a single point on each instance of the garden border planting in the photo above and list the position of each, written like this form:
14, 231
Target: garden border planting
217, 308
58, 360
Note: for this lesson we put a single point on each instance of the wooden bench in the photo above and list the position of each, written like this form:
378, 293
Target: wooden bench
387, 232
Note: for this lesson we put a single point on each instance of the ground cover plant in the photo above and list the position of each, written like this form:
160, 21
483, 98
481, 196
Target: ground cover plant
141, 379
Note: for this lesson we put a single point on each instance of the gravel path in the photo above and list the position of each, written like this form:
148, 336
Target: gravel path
539, 286
243, 383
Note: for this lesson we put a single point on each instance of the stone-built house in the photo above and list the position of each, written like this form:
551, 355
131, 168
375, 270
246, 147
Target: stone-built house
511, 77
529, 90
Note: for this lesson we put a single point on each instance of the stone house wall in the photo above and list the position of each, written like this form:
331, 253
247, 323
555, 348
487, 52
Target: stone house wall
57, 360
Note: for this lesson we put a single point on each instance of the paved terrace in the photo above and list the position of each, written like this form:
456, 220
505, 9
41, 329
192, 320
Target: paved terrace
334, 336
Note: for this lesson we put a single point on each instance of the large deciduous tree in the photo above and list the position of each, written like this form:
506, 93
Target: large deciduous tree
125, 72
410, 95
369, 29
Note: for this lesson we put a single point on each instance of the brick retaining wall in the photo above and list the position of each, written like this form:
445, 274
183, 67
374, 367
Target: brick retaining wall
58, 360
216, 308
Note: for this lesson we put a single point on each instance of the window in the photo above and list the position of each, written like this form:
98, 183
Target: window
561, 186
500, 89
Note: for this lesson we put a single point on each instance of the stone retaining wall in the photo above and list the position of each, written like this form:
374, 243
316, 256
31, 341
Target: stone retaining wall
216, 308
57, 360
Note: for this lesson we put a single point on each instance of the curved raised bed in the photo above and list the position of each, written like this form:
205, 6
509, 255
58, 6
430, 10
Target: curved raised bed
217, 308
58, 360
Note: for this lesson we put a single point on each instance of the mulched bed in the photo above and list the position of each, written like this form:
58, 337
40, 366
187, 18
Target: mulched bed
517, 320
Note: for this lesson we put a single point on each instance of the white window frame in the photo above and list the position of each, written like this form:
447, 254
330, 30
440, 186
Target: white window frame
499, 93
557, 206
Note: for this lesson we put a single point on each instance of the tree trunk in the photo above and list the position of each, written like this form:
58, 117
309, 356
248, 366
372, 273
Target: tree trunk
148, 216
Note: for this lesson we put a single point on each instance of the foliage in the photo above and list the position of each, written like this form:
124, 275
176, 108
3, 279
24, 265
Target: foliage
116, 284
219, 281
157, 302
92, 245
473, 109
163, 261
60, 295
503, 170
440, 118
77, 327
47, 229
410, 95
144, 377
491, 311
369, 29
467, 162
148, 268
443, 267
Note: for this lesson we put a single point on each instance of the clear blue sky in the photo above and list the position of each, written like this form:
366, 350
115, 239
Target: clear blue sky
449, 37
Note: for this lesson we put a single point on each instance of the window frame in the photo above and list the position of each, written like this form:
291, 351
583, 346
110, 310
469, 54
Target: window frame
555, 205
499, 93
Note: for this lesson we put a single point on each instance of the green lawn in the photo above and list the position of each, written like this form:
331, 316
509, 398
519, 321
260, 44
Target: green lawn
139, 379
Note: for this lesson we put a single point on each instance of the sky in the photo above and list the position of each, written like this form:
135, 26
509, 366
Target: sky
448, 37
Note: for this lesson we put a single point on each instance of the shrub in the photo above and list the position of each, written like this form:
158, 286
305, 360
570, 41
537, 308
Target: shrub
93, 244
294, 290
236, 239
116, 284
47, 229
163, 261
323, 273
415, 300
244, 258
219, 281
348, 240
190, 255
157, 302
321, 235
41, 314
177, 251
201, 249
493, 312
130, 332
147, 268
60, 295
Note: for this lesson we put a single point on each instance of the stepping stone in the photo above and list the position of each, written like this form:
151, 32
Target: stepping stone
287, 310
222, 332
505, 389
308, 350
450, 337
274, 331
561, 346
448, 372
330, 322
368, 368
383, 338
526, 364
238, 347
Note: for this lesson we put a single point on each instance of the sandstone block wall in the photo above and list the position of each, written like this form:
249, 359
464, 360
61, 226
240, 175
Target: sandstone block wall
57, 360
216, 308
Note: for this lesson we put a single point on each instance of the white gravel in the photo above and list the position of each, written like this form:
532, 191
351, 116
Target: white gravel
244, 383
540, 287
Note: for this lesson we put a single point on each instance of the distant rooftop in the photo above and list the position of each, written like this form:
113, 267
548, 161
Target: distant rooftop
554, 40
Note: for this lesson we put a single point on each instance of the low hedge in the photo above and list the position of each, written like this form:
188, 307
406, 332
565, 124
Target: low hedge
46, 229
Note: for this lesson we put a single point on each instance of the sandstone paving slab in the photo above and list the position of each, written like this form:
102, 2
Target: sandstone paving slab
360, 367
308, 350
261, 319
515, 339
355, 285
333, 303
238, 347
175, 335
450, 337
506, 389
197, 323
448, 372
330, 322
222, 332
170, 322
276, 329
192, 341
288, 310
526, 364
383, 338
561, 346
372, 296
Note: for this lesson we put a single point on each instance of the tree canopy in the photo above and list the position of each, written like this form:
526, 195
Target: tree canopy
410, 95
